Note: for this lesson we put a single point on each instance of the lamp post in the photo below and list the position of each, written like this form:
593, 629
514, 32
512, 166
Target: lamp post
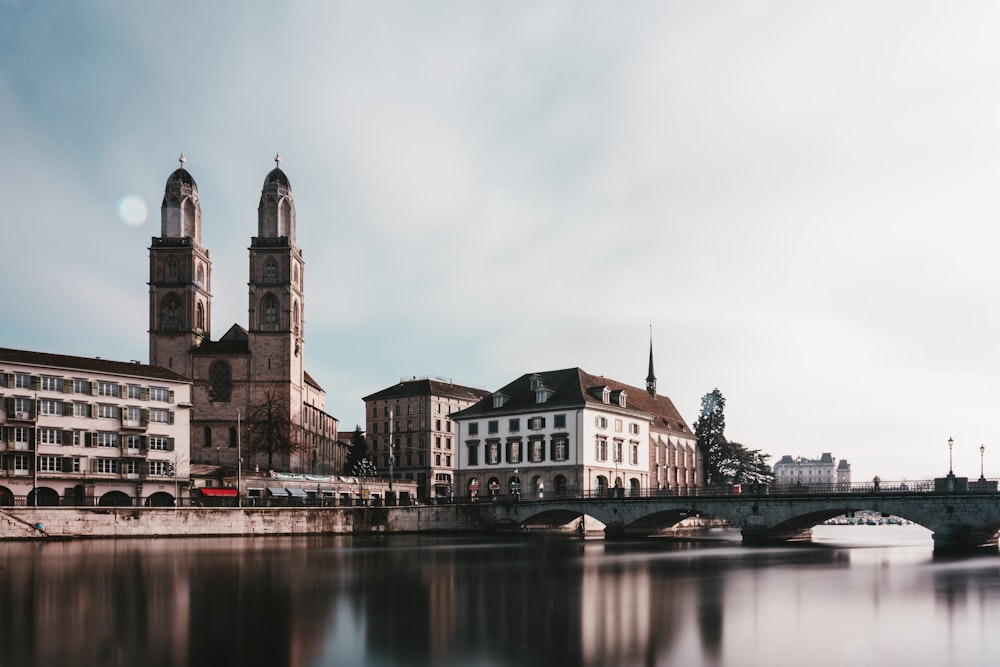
982, 452
951, 471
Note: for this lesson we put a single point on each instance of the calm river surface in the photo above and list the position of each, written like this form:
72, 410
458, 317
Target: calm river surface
863, 595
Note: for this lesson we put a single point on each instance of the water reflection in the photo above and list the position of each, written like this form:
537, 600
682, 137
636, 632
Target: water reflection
530, 601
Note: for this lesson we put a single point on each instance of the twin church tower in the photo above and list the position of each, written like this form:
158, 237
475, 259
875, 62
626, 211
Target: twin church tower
246, 369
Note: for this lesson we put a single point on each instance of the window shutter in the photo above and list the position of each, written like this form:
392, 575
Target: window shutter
170, 444
36, 382
93, 411
66, 438
8, 405
67, 386
10, 464
67, 409
144, 393
88, 439
93, 465
170, 396
93, 388
66, 464
8, 380
122, 391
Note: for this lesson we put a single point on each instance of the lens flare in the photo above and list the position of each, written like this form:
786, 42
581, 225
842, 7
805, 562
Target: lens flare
132, 210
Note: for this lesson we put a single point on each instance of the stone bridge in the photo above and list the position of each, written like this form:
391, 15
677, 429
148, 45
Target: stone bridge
958, 521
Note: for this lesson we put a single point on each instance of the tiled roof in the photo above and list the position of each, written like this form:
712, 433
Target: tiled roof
93, 364
428, 387
575, 388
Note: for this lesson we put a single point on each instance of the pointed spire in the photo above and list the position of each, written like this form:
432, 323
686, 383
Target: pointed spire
651, 378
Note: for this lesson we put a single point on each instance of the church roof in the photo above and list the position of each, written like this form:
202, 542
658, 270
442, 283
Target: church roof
277, 177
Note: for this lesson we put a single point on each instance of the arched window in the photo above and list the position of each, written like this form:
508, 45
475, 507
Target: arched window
295, 317
232, 436
200, 276
270, 270
200, 317
170, 314
560, 485
220, 381
270, 308
208, 437
172, 269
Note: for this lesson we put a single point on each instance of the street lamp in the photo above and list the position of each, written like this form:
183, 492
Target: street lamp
951, 471
982, 451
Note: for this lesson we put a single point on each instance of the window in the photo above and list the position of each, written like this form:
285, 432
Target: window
493, 426
498, 400
633, 428
601, 451
106, 466
437, 424
158, 468
270, 270
514, 426
559, 421
105, 439
77, 438
131, 415
536, 423
473, 428
50, 407
437, 442
21, 464
134, 392
601, 422
514, 451
81, 410
559, 449
233, 436
107, 389
159, 416
618, 426
159, 442
133, 442
172, 268
22, 381
493, 452
437, 459
106, 411
618, 451
447, 443
81, 386
50, 436
537, 450
22, 405
220, 381
50, 383
130, 467
160, 394
270, 308
49, 464
473, 453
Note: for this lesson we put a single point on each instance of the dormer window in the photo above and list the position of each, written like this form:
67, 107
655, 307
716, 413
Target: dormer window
618, 396
542, 394
605, 395
536, 382
499, 400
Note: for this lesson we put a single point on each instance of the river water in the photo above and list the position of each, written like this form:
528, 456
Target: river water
861, 595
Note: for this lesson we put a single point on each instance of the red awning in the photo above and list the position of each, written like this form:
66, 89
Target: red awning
212, 492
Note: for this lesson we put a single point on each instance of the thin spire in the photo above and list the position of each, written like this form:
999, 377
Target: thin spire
277, 160
651, 378
182, 159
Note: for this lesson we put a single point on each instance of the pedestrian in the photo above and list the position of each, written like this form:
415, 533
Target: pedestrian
876, 483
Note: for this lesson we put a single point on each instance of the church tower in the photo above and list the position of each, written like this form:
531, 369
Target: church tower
276, 298
180, 273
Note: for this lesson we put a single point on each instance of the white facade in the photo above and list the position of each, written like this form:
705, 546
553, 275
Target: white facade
79, 431
801, 471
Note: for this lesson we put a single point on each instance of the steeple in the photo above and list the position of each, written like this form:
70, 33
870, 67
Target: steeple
651, 378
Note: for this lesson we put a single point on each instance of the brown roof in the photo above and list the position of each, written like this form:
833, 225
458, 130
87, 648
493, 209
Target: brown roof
576, 388
429, 387
94, 364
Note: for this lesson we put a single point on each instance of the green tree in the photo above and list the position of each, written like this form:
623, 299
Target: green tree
358, 451
726, 462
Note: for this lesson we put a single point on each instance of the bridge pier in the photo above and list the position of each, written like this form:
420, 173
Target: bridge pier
951, 538
757, 534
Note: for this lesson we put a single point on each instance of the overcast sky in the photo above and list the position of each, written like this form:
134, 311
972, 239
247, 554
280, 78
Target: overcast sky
801, 197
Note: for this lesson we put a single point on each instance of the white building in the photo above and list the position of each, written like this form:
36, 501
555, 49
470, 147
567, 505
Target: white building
802, 471
570, 432
82, 431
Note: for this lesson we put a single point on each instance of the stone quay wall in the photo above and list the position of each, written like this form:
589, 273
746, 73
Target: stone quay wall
34, 523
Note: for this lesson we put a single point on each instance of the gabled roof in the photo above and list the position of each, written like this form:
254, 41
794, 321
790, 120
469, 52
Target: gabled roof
93, 364
235, 341
428, 387
576, 388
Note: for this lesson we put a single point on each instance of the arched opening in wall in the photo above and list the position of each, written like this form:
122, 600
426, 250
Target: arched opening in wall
173, 269
233, 436
537, 486
200, 274
220, 383
6, 497
188, 218
494, 487
472, 488
560, 481
115, 499
601, 486
269, 312
160, 499
270, 270
170, 312
634, 487
76, 496
200, 317
43, 496
295, 317
285, 218
514, 485
208, 437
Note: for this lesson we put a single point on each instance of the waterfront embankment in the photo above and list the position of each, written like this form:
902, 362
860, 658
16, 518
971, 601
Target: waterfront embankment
40, 523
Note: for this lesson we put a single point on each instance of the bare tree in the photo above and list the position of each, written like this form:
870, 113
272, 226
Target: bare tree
270, 430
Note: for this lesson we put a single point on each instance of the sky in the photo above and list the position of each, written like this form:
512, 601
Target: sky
798, 199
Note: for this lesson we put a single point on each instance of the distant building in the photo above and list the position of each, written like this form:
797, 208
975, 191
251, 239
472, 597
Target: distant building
83, 431
410, 431
800, 470
246, 367
568, 432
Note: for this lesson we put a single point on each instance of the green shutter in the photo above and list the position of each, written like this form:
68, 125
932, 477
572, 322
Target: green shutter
144, 393
93, 410
67, 386
93, 465
8, 380
170, 396
88, 439
93, 387
122, 391
170, 417
67, 409
36, 382
66, 464
170, 444
143, 443
8, 405
144, 416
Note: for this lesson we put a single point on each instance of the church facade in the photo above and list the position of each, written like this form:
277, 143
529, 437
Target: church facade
251, 371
